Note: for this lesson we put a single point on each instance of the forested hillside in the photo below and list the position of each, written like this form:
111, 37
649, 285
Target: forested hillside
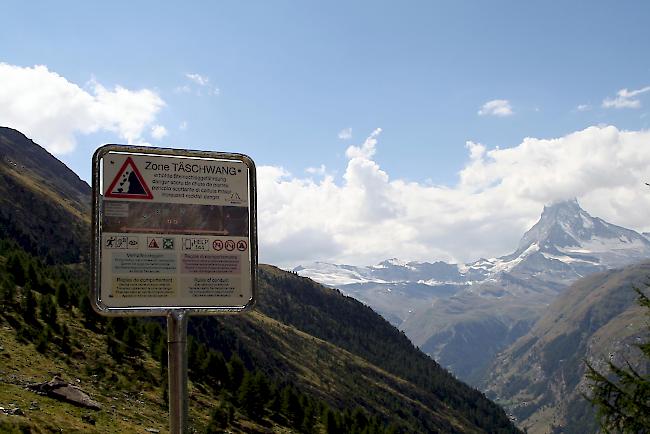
307, 360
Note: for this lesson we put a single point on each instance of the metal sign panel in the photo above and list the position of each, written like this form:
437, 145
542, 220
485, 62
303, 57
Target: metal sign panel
173, 229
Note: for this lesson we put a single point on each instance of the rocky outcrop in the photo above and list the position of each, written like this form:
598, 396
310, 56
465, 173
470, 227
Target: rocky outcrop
61, 390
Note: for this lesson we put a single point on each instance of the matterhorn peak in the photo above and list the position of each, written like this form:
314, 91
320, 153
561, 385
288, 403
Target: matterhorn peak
563, 209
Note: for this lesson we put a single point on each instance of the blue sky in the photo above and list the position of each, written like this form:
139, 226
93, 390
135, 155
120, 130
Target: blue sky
281, 80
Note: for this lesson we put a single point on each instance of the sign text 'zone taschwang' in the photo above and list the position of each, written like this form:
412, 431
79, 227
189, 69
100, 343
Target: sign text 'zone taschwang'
173, 229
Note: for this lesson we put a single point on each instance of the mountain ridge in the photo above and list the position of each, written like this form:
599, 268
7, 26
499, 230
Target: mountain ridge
29, 175
449, 310
303, 336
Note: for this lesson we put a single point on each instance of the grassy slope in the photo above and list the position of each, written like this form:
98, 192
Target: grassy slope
540, 377
332, 347
134, 387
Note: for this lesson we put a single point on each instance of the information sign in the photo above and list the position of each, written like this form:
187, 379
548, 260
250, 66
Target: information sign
173, 230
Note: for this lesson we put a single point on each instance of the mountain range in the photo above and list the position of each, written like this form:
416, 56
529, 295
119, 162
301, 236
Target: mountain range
464, 314
315, 359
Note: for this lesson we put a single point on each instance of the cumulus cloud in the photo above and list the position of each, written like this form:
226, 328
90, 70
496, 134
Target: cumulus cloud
367, 149
626, 98
345, 134
366, 216
158, 132
496, 107
52, 110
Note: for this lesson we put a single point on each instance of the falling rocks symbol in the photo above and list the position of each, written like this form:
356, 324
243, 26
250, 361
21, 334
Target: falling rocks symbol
129, 183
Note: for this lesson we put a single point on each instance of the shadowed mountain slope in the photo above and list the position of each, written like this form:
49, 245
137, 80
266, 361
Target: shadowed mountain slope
540, 378
330, 348
44, 206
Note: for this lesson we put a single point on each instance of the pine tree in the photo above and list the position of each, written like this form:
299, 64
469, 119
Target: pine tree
330, 421
29, 306
8, 294
16, 269
32, 279
47, 310
130, 338
153, 336
86, 309
251, 397
236, 372
623, 400
292, 407
114, 348
65, 339
215, 368
220, 418
42, 341
62, 295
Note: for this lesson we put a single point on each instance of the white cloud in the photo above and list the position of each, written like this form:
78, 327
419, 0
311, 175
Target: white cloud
625, 98
496, 107
158, 132
51, 110
583, 107
366, 216
198, 79
367, 149
203, 84
322, 170
345, 134
183, 89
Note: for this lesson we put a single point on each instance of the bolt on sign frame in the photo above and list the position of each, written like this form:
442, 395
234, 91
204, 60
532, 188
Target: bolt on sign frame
174, 234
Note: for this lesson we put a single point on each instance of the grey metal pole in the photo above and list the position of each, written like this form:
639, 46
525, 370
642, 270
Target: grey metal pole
177, 358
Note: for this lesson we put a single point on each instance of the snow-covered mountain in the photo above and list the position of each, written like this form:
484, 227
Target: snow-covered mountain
565, 244
451, 310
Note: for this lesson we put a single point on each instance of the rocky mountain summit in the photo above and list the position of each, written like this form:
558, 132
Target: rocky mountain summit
463, 314
565, 244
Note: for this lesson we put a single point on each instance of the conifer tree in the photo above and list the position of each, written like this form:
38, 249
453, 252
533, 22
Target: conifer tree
8, 294
65, 339
251, 397
130, 338
29, 305
623, 399
236, 372
62, 295
32, 279
42, 341
215, 368
47, 310
330, 421
291, 406
90, 317
16, 269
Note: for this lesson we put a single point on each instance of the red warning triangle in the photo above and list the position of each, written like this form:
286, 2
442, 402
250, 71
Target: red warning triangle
129, 183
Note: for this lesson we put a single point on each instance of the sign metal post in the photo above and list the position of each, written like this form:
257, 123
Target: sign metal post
175, 234
177, 365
